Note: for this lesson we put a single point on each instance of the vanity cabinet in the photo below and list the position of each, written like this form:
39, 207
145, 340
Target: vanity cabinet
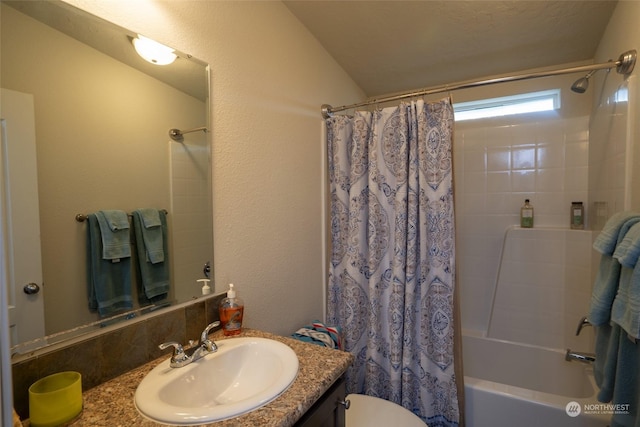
329, 410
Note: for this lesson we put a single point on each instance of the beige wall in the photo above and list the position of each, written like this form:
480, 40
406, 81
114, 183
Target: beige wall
269, 77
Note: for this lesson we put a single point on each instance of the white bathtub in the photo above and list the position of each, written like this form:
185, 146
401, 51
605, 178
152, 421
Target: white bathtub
511, 384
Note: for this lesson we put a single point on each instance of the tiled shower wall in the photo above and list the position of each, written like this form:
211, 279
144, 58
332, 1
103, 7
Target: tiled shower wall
543, 288
498, 164
192, 216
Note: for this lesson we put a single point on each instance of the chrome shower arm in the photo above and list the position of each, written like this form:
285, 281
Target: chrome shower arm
177, 134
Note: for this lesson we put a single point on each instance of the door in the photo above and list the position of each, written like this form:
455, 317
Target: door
20, 232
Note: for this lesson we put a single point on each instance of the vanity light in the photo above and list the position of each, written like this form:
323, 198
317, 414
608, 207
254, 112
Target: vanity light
153, 51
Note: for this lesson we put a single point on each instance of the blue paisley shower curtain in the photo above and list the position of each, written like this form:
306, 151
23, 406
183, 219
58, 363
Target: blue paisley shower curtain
391, 275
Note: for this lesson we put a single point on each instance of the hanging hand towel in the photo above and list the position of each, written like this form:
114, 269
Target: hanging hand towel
153, 278
108, 283
628, 250
114, 229
607, 240
626, 306
152, 234
616, 371
607, 280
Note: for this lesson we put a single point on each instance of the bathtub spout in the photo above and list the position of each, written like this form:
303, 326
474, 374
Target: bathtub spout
580, 357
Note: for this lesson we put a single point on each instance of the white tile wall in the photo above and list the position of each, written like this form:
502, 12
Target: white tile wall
543, 288
544, 283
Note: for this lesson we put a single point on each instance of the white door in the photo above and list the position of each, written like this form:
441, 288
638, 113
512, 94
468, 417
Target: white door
20, 233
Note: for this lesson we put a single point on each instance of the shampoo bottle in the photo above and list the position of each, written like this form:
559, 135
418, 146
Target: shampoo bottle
526, 215
231, 311
577, 216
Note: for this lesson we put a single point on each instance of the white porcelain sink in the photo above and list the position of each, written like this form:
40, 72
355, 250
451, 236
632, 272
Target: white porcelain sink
244, 374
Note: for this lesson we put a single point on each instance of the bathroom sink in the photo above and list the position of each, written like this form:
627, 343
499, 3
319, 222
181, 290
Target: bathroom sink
244, 374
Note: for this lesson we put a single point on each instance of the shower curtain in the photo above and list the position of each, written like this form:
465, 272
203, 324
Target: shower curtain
391, 276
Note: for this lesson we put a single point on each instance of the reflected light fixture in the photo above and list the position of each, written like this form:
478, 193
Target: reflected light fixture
153, 51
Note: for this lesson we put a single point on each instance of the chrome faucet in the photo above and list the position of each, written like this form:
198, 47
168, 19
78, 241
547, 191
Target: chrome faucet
182, 358
579, 357
583, 322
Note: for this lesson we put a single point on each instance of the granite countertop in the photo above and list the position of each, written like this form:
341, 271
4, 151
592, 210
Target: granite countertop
111, 403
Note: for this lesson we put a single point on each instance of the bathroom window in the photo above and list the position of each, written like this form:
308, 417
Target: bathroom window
531, 102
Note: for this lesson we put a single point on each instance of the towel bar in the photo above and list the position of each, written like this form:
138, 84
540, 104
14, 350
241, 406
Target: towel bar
83, 217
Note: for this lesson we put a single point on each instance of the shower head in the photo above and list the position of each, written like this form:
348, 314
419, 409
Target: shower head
582, 84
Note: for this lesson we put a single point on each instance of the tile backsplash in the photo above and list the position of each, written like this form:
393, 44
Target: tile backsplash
110, 354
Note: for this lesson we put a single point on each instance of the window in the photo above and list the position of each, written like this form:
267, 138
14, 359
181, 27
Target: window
547, 100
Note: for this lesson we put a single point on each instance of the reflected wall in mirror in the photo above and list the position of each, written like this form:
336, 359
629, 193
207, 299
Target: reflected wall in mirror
102, 116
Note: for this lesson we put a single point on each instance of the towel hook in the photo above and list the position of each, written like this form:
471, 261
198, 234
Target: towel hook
178, 135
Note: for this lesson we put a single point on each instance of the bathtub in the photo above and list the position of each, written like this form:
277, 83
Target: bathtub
512, 384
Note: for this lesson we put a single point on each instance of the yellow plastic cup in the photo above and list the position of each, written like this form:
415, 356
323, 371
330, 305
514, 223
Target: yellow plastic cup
55, 399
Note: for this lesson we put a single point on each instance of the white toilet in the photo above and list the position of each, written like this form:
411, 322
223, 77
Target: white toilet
369, 411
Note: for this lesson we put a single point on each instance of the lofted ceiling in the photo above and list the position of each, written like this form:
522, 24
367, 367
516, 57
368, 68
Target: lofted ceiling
395, 46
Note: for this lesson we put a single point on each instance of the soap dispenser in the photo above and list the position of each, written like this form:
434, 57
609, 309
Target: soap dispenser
206, 289
231, 312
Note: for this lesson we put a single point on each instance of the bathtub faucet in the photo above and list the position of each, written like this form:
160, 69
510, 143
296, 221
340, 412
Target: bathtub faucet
580, 357
583, 322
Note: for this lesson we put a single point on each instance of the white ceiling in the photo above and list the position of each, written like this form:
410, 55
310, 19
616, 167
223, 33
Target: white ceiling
395, 46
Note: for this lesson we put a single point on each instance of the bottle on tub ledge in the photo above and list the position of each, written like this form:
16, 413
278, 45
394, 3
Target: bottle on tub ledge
526, 215
577, 216
231, 312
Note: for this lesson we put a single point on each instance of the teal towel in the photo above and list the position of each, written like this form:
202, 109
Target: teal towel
114, 229
153, 279
150, 217
628, 250
152, 234
626, 305
108, 283
617, 374
607, 240
607, 280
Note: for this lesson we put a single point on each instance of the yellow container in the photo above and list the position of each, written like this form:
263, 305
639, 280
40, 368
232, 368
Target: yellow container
55, 399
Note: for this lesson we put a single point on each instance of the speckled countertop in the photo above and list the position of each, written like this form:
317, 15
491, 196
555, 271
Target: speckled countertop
111, 403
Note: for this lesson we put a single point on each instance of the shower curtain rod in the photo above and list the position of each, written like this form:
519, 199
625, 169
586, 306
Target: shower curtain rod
624, 65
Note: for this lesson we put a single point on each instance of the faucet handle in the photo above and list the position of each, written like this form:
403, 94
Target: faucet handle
179, 355
582, 323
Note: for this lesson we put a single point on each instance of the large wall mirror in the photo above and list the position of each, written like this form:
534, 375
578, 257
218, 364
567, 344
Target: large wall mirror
100, 121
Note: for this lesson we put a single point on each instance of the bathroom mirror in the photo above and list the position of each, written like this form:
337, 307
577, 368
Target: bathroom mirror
102, 117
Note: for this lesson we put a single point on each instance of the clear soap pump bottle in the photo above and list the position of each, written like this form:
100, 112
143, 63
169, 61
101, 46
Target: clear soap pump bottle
231, 312
526, 215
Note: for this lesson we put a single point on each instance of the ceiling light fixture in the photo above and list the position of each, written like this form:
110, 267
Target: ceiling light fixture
153, 51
